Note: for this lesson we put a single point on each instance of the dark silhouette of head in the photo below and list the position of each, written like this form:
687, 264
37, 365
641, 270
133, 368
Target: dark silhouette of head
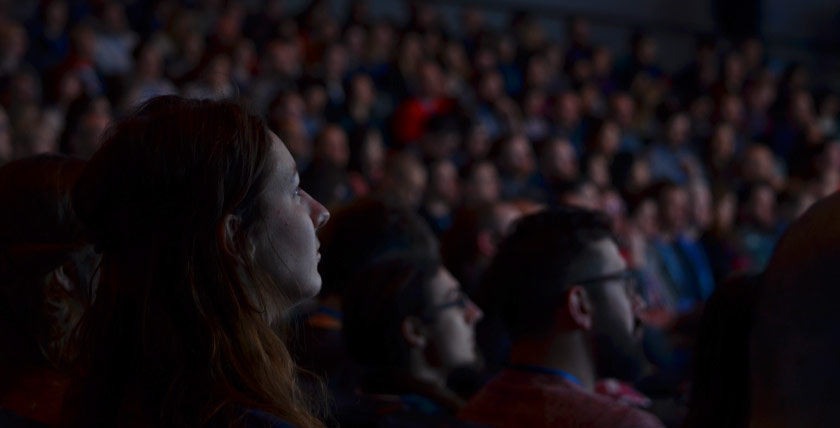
795, 338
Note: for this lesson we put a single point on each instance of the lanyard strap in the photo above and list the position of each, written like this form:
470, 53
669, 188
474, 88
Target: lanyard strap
545, 370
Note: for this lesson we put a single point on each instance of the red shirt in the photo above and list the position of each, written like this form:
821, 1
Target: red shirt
524, 399
411, 116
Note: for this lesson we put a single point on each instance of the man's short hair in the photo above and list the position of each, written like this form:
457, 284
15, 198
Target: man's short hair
533, 267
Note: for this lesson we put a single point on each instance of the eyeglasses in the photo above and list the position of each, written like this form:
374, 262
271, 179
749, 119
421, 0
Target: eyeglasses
462, 301
631, 285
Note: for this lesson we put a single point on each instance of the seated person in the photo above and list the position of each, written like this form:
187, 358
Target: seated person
568, 302
357, 235
45, 269
794, 338
407, 321
206, 241
720, 387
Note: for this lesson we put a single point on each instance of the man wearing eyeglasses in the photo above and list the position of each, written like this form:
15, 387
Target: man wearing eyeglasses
569, 304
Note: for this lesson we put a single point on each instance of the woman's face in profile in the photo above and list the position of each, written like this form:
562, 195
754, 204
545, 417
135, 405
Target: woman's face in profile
286, 244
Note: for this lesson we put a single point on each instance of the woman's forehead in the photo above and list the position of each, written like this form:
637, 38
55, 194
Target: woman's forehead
285, 163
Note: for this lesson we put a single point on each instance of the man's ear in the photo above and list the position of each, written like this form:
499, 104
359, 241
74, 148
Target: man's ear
413, 332
231, 231
579, 307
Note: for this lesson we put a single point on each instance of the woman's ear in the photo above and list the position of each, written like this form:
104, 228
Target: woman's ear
231, 231
413, 332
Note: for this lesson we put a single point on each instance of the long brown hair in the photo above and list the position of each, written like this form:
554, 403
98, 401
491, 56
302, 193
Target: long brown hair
179, 331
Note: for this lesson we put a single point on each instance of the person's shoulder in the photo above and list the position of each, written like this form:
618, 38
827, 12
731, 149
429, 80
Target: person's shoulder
255, 418
547, 401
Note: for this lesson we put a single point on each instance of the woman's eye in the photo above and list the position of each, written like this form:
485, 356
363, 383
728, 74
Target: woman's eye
297, 192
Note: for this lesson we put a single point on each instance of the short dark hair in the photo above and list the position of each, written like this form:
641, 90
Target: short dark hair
526, 280
364, 231
376, 302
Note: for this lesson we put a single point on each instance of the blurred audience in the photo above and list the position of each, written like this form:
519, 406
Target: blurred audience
465, 125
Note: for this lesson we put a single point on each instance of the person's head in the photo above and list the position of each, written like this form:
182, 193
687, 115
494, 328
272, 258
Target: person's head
405, 180
606, 138
568, 108
442, 138
367, 154
678, 129
758, 202
596, 169
579, 193
206, 242
361, 90
722, 144
481, 180
702, 210
758, 164
794, 340
622, 108
471, 242
431, 83
331, 146
515, 156
630, 173
731, 109
46, 265
407, 314
674, 208
560, 274
643, 214
559, 160
725, 206
443, 182
362, 232
644, 48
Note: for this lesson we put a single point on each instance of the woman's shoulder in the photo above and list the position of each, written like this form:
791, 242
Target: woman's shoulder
255, 418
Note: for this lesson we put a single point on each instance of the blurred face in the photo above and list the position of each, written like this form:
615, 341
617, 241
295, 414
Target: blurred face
723, 143
763, 206
624, 108
616, 332
569, 109
598, 171
701, 207
560, 160
725, 212
609, 138
362, 90
758, 164
484, 183
674, 210
678, 129
640, 174
452, 329
646, 218
445, 182
285, 242
520, 156
333, 147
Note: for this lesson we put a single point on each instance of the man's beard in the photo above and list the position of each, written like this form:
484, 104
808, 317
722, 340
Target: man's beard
617, 353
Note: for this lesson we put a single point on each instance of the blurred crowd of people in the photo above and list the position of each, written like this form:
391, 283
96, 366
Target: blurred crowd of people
698, 171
